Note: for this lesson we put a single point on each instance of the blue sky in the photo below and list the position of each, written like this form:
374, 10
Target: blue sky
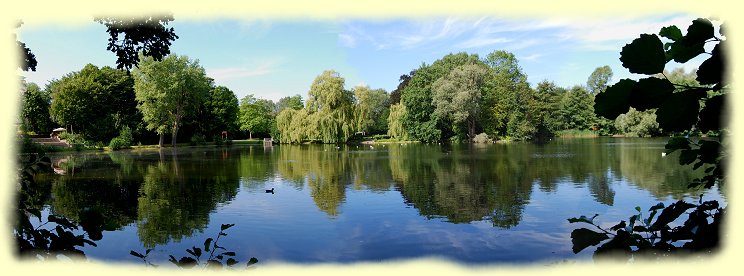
280, 57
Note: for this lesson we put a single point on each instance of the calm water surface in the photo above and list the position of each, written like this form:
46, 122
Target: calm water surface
472, 204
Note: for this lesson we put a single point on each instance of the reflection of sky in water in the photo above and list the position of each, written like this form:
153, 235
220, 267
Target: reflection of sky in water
379, 225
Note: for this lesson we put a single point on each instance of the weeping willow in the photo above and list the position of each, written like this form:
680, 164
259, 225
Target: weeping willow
328, 116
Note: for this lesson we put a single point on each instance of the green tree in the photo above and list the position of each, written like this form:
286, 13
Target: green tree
330, 109
508, 101
638, 123
292, 125
595, 84
417, 97
576, 110
35, 109
167, 90
294, 102
95, 102
457, 96
599, 79
371, 109
256, 115
547, 105
223, 109
395, 122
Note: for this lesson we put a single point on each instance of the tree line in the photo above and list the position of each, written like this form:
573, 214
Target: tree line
459, 98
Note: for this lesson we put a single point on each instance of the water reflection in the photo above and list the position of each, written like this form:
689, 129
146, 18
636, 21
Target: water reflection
171, 195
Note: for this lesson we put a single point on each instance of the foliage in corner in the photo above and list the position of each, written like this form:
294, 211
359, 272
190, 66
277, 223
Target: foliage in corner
644, 236
147, 34
55, 237
217, 254
680, 108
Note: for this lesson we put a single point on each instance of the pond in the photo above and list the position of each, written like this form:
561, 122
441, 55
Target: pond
472, 204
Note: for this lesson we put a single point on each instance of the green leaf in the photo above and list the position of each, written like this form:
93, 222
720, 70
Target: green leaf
226, 226
583, 238
615, 100
709, 151
671, 32
681, 51
645, 55
686, 157
229, 253
679, 112
650, 93
712, 70
207, 243
252, 261
674, 144
656, 207
618, 226
711, 115
638, 208
700, 31
231, 262
671, 213
187, 262
138, 255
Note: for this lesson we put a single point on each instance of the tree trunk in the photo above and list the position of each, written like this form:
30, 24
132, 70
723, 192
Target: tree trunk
162, 139
175, 134
471, 130
250, 135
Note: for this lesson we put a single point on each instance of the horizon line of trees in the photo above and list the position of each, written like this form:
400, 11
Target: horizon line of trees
458, 98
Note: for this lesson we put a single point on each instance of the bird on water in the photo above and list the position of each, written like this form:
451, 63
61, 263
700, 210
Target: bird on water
270, 191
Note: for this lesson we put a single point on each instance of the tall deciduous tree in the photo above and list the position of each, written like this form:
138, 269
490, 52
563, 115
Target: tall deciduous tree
417, 97
599, 79
95, 102
256, 115
293, 102
509, 100
371, 109
457, 96
167, 90
576, 109
35, 109
223, 109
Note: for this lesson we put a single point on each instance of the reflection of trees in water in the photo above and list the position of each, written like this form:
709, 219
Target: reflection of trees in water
661, 176
99, 184
323, 167
586, 162
256, 165
463, 185
178, 196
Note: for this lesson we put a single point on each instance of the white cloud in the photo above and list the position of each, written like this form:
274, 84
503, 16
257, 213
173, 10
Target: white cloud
346, 40
476, 42
532, 57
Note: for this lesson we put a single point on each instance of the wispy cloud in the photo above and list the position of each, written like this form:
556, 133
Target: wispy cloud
532, 57
477, 42
591, 34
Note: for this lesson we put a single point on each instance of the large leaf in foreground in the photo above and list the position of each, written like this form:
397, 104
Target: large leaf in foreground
645, 55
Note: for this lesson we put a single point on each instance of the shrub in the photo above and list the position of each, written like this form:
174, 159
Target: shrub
482, 138
118, 143
198, 139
